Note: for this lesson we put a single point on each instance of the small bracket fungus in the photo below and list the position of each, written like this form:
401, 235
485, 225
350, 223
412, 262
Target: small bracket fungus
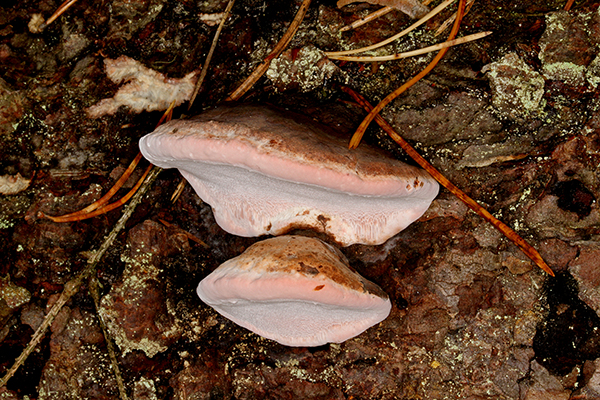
296, 290
264, 171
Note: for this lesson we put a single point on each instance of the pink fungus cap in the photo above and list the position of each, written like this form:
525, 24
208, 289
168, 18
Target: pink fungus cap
296, 290
265, 171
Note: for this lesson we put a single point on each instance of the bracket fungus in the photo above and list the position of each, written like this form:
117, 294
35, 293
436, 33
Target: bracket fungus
264, 171
296, 290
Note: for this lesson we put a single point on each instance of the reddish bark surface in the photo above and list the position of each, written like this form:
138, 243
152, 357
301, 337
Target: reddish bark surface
512, 119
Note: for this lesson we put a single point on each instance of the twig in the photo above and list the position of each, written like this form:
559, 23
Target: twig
98, 207
210, 53
186, 233
413, 53
569, 5
104, 199
360, 131
72, 286
59, 11
178, 190
95, 293
264, 66
167, 115
368, 18
80, 215
472, 204
389, 40
449, 21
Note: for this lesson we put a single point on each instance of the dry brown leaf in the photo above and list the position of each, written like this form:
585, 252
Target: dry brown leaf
13, 184
144, 90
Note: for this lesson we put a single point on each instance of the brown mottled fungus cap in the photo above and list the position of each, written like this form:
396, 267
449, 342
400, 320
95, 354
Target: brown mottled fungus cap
265, 171
296, 290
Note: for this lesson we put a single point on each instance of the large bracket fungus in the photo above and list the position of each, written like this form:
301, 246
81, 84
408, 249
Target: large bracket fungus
264, 171
296, 290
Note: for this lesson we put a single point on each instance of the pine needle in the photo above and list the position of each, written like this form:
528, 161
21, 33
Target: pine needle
389, 40
374, 15
413, 53
59, 11
72, 287
211, 52
360, 131
513, 236
264, 66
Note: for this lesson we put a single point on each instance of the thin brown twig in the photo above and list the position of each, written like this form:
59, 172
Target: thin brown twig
167, 115
264, 66
472, 204
213, 46
110, 347
450, 20
98, 207
104, 199
178, 190
72, 286
186, 233
59, 11
374, 15
78, 216
569, 5
360, 131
